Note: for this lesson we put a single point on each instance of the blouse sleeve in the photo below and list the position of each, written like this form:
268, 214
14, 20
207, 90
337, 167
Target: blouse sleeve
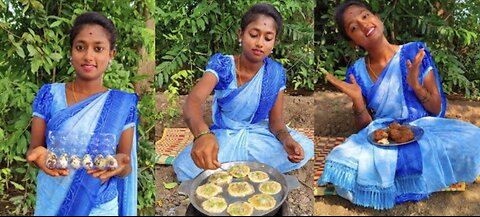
427, 63
221, 66
133, 114
42, 103
283, 85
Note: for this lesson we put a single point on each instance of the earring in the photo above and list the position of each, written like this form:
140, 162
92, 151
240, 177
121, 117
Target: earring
70, 60
240, 43
109, 63
357, 48
271, 52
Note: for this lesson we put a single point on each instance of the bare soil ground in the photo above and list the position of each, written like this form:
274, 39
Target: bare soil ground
329, 113
333, 118
298, 112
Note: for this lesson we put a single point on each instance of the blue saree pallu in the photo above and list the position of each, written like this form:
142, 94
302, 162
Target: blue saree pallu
240, 119
380, 177
79, 193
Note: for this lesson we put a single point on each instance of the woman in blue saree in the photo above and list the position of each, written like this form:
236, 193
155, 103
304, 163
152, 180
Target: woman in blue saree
247, 106
396, 83
85, 107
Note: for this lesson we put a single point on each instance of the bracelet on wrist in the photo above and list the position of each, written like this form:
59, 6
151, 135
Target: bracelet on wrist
284, 130
205, 132
426, 97
359, 113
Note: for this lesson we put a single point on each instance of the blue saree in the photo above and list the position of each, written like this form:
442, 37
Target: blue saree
380, 177
79, 193
240, 119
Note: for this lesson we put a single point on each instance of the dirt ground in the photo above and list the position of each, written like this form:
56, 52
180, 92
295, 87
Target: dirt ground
329, 113
300, 201
332, 118
298, 112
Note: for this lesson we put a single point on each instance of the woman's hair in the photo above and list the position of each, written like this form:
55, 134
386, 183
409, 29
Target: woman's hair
94, 18
262, 9
339, 12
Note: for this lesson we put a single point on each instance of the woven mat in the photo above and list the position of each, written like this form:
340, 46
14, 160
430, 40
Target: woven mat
323, 146
175, 140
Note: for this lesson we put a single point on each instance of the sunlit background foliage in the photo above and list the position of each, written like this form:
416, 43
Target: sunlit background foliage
34, 50
449, 28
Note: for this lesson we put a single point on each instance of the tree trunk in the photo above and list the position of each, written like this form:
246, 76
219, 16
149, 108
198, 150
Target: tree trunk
146, 65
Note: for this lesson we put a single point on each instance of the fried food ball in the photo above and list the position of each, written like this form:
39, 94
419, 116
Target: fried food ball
404, 128
395, 134
380, 134
406, 135
394, 125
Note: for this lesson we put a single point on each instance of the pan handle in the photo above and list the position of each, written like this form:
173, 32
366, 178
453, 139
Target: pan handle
185, 187
292, 182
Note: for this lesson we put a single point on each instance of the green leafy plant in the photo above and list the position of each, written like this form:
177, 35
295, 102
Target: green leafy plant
449, 29
189, 32
34, 51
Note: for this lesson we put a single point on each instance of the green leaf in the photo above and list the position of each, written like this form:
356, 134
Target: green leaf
21, 170
56, 23
2, 134
138, 78
56, 56
17, 158
20, 52
170, 185
36, 5
17, 186
31, 50
35, 65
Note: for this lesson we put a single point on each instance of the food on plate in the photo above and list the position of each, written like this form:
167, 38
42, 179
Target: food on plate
240, 189
258, 176
395, 132
270, 187
208, 190
380, 134
262, 202
220, 178
406, 134
215, 205
240, 209
394, 125
239, 171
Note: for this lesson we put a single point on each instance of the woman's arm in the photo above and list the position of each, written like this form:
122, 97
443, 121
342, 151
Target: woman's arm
276, 122
192, 109
278, 128
428, 93
361, 115
205, 146
353, 90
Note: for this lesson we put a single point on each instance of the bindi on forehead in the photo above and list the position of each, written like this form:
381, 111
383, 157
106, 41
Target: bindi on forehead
90, 33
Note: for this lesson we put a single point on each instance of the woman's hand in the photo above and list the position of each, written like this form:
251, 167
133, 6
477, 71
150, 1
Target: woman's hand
38, 157
414, 70
293, 149
205, 151
353, 90
124, 168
